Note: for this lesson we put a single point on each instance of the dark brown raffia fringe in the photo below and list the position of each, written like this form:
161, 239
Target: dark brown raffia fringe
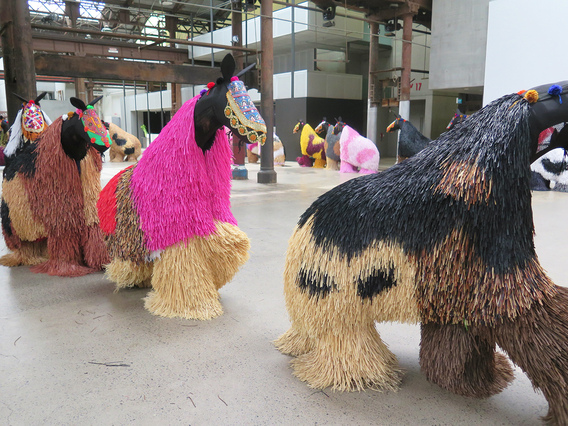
447, 295
463, 360
446, 238
127, 243
538, 343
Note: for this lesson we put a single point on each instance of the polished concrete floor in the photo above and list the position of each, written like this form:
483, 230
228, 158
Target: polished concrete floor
74, 352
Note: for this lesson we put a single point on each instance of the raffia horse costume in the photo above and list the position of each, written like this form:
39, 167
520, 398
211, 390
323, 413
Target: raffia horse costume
445, 239
167, 219
49, 195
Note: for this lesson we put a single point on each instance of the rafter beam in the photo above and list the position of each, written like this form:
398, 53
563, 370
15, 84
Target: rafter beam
56, 43
107, 35
97, 68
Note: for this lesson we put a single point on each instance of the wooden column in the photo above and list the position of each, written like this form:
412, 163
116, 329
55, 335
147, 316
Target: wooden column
90, 87
176, 98
267, 173
81, 89
239, 150
19, 69
404, 109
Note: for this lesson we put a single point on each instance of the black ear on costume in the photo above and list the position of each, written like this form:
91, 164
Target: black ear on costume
78, 103
324, 119
20, 98
94, 101
40, 97
228, 67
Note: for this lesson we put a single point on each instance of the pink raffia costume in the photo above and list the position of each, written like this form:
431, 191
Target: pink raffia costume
168, 220
358, 153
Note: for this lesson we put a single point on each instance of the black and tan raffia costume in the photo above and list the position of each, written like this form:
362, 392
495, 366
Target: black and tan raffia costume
445, 239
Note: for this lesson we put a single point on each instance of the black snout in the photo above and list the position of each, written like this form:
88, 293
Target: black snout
128, 151
118, 141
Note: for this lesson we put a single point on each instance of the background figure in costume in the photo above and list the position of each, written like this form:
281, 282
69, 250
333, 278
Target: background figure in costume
125, 147
253, 151
358, 154
332, 147
444, 238
167, 219
410, 140
49, 195
550, 171
311, 145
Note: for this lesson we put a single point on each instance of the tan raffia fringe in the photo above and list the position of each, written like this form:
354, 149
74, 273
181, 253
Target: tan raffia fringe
91, 167
337, 330
129, 274
29, 253
187, 275
25, 224
463, 360
538, 343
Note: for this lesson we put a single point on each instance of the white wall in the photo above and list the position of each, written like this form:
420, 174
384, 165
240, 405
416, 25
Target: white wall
459, 30
527, 45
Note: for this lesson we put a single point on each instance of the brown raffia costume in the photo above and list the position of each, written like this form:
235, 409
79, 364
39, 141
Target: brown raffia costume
445, 239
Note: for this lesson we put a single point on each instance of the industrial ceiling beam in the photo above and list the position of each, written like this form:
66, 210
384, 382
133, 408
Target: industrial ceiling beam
55, 43
107, 35
87, 67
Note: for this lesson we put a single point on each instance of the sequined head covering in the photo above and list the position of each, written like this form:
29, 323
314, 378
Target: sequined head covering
94, 127
243, 116
33, 122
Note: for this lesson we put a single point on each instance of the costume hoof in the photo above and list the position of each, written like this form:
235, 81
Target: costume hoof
62, 269
204, 310
127, 274
293, 343
16, 259
376, 370
10, 260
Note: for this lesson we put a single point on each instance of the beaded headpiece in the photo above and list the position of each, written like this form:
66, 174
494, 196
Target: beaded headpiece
33, 122
94, 127
243, 116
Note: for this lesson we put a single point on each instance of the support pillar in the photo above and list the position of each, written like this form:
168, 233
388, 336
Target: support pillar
17, 48
240, 171
176, 98
267, 174
372, 108
90, 87
404, 105
81, 90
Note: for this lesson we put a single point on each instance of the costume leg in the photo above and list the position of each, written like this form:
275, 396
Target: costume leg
463, 361
64, 257
319, 163
29, 253
228, 250
183, 284
94, 250
367, 171
348, 355
537, 341
347, 168
129, 274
